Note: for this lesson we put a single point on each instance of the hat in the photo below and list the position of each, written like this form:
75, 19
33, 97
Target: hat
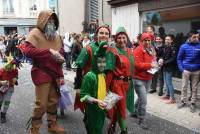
12, 63
145, 36
119, 31
101, 50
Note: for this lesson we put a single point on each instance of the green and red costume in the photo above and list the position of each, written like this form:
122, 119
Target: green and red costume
84, 61
120, 66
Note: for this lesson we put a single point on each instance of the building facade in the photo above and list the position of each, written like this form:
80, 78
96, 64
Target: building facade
19, 16
76, 17
176, 16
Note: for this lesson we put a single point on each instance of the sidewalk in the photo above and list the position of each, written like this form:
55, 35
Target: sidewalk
157, 107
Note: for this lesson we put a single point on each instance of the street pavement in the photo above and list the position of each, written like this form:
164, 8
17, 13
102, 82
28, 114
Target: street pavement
161, 118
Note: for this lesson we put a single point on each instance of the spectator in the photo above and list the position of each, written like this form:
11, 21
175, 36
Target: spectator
162, 34
2, 48
189, 64
67, 50
76, 47
168, 60
158, 76
86, 40
144, 56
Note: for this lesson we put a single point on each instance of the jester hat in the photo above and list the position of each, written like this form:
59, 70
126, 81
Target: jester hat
12, 63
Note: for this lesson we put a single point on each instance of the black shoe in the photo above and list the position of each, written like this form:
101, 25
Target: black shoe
3, 117
124, 132
152, 91
111, 129
192, 108
189, 98
181, 104
160, 93
199, 114
134, 115
142, 123
62, 113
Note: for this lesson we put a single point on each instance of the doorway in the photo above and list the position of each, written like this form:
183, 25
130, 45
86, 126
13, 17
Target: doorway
10, 30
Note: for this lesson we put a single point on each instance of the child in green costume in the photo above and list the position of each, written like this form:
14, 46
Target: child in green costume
93, 92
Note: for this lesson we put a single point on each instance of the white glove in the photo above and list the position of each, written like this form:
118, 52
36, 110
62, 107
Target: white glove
4, 83
160, 62
57, 56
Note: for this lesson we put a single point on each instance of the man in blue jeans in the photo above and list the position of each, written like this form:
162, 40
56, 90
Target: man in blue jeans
188, 60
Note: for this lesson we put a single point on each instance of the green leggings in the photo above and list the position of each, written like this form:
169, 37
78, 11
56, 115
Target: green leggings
121, 122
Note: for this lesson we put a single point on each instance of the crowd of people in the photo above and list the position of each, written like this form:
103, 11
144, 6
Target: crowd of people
106, 65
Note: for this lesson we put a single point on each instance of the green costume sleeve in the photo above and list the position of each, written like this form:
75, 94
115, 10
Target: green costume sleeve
110, 61
82, 58
87, 86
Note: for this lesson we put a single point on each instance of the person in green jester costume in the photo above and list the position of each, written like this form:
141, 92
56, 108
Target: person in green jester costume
93, 92
84, 61
119, 70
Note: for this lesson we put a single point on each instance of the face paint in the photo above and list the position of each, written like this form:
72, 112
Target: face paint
101, 64
50, 30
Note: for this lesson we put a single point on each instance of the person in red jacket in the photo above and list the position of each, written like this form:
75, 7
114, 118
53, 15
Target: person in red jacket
145, 56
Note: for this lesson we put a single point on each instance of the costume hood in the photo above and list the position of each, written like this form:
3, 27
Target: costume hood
43, 19
99, 52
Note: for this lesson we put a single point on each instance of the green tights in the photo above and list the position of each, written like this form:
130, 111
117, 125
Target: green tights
121, 122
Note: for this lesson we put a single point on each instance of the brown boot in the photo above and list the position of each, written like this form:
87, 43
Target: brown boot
54, 128
34, 131
35, 127
52, 125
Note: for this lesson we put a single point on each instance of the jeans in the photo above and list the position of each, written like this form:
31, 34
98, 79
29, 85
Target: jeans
168, 81
141, 89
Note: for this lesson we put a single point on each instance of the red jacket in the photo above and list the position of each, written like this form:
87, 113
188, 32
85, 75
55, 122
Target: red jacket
8, 75
142, 63
44, 58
